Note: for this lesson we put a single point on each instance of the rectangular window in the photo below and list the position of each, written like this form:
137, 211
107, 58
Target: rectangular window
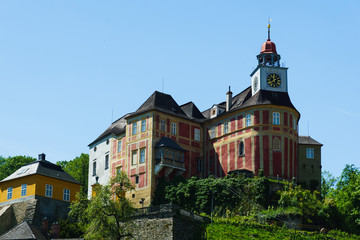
143, 125
106, 161
212, 132
118, 170
119, 146
310, 153
294, 124
162, 125
276, 118
226, 128
134, 128
248, 120
173, 128
66, 195
137, 179
94, 168
23, 190
142, 155
9, 193
48, 190
197, 134
199, 165
134, 157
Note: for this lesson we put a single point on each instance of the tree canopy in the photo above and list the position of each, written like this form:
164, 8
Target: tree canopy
11, 164
78, 168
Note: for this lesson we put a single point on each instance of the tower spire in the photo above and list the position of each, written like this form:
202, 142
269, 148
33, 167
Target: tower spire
269, 29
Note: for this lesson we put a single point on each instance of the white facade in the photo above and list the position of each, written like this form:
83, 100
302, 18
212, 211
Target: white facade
259, 79
97, 155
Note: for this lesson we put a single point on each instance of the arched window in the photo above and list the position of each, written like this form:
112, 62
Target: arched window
241, 149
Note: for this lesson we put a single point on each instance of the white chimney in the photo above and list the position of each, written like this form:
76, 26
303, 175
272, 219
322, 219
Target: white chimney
228, 100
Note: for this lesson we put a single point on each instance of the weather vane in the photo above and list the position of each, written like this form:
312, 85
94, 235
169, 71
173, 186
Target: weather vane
269, 28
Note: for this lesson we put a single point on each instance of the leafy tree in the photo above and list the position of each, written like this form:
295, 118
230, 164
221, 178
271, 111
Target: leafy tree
78, 168
347, 198
108, 213
327, 183
11, 164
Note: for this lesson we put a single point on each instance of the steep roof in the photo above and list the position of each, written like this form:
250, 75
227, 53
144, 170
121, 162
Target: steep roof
161, 102
262, 97
116, 128
168, 142
192, 111
24, 231
307, 140
41, 167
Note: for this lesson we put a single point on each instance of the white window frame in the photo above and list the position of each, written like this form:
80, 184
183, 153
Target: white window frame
66, 195
119, 145
143, 125
134, 128
197, 134
226, 127
106, 161
310, 153
23, 189
9, 193
162, 125
173, 128
276, 118
212, 132
134, 160
48, 190
248, 120
142, 155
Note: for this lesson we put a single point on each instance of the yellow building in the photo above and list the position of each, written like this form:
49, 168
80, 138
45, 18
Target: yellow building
42, 182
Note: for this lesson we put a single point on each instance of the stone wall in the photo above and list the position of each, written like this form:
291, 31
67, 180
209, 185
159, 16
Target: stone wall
166, 222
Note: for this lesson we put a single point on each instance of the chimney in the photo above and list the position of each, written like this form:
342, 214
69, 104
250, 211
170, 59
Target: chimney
44, 225
41, 156
228, 100
55, 230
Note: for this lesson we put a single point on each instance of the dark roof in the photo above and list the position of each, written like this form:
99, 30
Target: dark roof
41, 167
192, 111
24, 231
116, 128
307, 140
168, 142
161, 102
262, 97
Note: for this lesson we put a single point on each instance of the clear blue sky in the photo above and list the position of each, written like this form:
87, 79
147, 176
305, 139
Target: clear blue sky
68, 68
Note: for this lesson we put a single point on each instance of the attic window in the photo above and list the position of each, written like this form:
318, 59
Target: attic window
213, 112
23, 171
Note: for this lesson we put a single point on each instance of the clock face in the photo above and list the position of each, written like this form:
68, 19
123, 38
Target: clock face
273, 80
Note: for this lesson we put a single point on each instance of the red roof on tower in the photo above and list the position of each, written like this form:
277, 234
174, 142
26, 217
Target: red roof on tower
268, 47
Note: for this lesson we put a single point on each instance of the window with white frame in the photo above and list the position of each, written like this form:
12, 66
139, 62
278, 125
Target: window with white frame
134, 128
248, 120
66, 195
9, 193
119, 146
94, 167
134, 157
226, 128
197, 134
309, 153
23, 189
241, 149
212, 132
106, 161
143, 125
162, 125
173, 128
276, 118
142, 155
48, 190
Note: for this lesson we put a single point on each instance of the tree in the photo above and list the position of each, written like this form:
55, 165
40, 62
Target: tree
11, 164
78, 168
347, 198
327, 183
110, 211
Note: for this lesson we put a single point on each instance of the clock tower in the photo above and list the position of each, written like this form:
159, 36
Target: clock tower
268, 75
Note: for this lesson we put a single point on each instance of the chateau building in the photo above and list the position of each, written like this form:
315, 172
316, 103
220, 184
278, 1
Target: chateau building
256, 129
